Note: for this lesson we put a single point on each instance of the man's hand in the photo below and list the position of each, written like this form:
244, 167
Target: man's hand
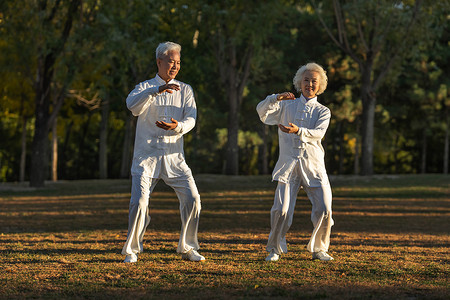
285, 96
169, 87
292, 128
167, 126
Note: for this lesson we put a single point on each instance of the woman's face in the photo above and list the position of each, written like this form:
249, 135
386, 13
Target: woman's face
310, 83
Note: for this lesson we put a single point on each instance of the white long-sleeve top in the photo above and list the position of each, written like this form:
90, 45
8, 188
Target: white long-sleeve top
156, 149
305, 147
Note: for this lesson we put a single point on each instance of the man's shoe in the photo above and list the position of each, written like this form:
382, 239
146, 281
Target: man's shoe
130, 258
322, 255
192, 255
272, 256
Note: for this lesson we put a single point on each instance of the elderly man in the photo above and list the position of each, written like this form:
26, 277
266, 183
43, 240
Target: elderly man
302, 124
166, 110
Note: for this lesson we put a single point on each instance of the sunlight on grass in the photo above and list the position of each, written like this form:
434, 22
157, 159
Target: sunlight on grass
388, 242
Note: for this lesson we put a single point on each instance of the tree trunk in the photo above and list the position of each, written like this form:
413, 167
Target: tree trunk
341, 147
63, 151
127, 149
357, 150
42, 88
39, 146
232, 151
356, 162
39, 152
396, 151
103, 147
446, 147
368, 122
81, 147
54, 151
264, 151
23, 154
234, 70
423, 165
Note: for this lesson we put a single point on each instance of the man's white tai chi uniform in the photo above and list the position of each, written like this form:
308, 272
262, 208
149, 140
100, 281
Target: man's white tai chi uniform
158, 154
300, 164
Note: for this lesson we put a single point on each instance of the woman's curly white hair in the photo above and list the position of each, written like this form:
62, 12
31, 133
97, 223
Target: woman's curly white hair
311, 67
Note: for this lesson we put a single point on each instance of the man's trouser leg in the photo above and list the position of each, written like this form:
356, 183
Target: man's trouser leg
138, 218
190, 207
281, 215
321, 217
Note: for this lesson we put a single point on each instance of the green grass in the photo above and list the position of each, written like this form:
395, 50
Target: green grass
390, 241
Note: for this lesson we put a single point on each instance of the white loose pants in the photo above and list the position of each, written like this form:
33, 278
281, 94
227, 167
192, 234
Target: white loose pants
282, 213
139, 217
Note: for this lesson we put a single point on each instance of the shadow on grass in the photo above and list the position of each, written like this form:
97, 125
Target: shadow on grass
418, 223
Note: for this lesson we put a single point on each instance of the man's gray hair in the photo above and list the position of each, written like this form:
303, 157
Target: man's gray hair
165, 48
311, 67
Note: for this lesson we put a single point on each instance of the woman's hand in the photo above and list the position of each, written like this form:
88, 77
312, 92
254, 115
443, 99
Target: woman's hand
285, 96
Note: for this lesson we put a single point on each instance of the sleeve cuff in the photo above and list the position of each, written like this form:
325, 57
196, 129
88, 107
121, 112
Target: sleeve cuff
273, 98
153, 91
179, 128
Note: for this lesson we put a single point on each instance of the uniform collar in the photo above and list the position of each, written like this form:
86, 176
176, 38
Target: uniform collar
162, 81
311, 101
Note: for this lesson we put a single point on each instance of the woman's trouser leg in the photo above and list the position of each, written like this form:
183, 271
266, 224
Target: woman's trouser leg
139, 217
321, 217
190, 207
281, 215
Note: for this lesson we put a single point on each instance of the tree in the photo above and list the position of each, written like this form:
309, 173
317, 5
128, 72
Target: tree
430, 114
17, 81
235, 40
125, 59
55, 23
375, 34
234, 54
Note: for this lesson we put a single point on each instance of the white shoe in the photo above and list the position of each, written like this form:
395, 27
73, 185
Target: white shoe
322, 255
131, 258
272, 256
192, 255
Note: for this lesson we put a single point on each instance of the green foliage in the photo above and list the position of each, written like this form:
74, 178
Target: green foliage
112, 49
248, 142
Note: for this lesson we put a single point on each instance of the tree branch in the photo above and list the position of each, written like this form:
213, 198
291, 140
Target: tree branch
61, 96
385, 69
361, 36
219, 53
360, 32
54, 10
246, 73
338, 15
90, 104
333, 38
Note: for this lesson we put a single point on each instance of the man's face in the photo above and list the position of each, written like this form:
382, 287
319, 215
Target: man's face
310, 84
169, 65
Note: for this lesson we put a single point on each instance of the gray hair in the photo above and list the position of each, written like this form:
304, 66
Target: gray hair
165, 48
311, 67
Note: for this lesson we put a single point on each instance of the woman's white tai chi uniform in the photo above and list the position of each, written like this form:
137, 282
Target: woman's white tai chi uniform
301, 164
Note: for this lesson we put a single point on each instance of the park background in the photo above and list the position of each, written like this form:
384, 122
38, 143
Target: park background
66, 68
66, 141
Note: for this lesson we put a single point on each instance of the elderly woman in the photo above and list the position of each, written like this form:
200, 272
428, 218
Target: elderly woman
302, 124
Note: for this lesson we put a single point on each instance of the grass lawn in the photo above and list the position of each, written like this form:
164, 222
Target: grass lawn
390, 241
